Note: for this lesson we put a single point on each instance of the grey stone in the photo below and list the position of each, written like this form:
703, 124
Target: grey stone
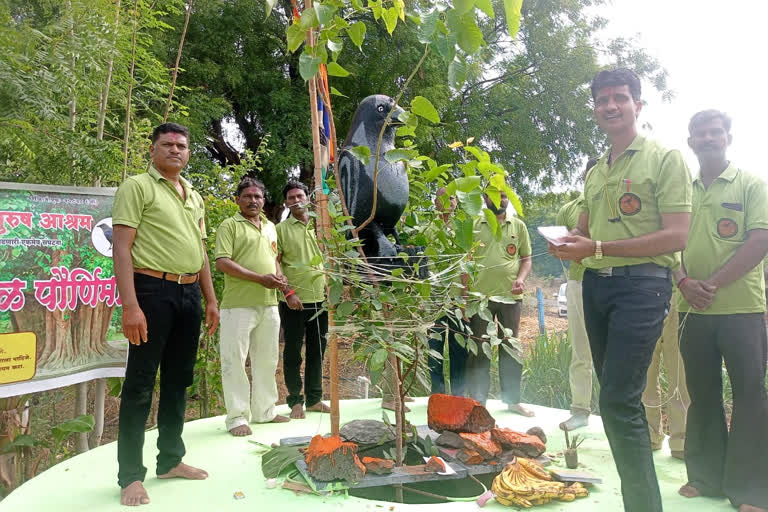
367, 432
450, 439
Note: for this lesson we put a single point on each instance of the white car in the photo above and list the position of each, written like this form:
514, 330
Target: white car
562, 303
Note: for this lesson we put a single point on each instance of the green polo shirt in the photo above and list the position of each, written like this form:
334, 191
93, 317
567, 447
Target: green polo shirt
252, 248
735, 203
644, 182
568, 216
297, 245
499, 260
169, 229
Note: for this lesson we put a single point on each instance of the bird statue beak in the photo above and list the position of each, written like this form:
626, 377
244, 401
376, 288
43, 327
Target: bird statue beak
395, 117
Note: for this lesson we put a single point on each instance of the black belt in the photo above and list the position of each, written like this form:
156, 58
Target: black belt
641, 270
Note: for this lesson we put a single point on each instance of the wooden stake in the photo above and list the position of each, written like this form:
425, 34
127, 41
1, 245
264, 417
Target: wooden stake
178, 59
323, 232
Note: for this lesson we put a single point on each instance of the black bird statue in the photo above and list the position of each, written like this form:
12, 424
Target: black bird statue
357, 178
107, 230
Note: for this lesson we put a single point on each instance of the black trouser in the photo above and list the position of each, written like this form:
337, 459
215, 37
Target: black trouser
624, 316
173, 313
297, 324
447, 327
478, 378
734, 464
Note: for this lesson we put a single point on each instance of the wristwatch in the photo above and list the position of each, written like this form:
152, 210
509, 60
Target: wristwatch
598, 250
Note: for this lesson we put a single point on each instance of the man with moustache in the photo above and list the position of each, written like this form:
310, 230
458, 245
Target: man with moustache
504, 266
303, 300
246, 251
721, 317
634, 222
161, 267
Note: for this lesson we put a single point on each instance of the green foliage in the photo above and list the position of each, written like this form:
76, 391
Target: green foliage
545, 373
541, 210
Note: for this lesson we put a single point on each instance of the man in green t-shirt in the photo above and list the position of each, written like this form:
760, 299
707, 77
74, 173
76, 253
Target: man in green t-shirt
634, 222
721, 317
246, 251
301, 311
504, 266
580, 370
161, 268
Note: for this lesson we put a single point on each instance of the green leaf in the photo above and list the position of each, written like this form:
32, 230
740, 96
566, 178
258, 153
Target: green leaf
277, 459
335, 291
421, 106
404, 131
308, 19
335, 69
397, 154
468, 183
345, 308
115, 385
486, 7
457, 74
356, 33
470, 202
512, 11
324, 13
487, 350
463, 229
80, 424
357, 4
335, 45
308, 65
390, 18
335, 92
378, 359
437, 171
493, 223
295, 36
270, 6
445, 45
18, 442
375, 7
362, 153
463, 6
468, 35
428, 25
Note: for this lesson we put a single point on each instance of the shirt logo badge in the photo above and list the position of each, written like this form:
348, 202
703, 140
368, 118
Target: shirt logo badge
630, 204
511, 249
727, 228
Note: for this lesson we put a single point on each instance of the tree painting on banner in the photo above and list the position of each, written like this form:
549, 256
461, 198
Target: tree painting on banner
59, 306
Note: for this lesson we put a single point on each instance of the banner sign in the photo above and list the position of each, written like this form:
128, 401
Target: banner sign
59, 307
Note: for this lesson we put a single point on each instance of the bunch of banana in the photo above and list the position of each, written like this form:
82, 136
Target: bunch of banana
524, 483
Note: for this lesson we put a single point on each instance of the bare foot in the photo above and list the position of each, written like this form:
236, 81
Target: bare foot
319, 407
689, 491
240, 431
390, 405
185, 471
280, 419
577, 420
751, 508
297, 412
134, 494
522, 411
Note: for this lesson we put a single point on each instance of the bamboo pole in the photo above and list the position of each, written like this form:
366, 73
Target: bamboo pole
178, 59
130, 90
323, 232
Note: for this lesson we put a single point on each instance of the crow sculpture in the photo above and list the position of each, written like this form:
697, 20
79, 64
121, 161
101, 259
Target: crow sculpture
357, 178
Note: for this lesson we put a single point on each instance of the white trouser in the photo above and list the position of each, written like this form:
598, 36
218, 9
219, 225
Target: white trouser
249, 332
580, 371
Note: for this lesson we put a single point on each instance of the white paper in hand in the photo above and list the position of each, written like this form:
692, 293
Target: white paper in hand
553, 234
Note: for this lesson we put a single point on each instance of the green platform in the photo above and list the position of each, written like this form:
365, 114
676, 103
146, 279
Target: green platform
88, 481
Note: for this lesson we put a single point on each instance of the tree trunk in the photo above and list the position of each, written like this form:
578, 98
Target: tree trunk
99, 396
11, 425
130, 90
81, 408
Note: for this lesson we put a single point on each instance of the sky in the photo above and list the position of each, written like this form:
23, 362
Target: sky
715, 53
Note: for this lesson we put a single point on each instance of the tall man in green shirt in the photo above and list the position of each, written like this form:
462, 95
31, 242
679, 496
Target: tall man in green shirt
246, 251
721, 318
301, 311
504, 266
580, 370
634, 220
161, 267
